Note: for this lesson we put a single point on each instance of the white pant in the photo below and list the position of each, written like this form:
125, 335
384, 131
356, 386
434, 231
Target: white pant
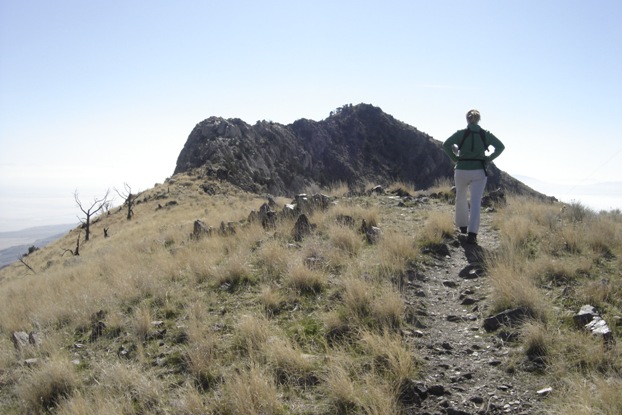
475, 181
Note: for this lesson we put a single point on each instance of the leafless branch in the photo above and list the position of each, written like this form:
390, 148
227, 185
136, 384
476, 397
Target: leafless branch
26, 265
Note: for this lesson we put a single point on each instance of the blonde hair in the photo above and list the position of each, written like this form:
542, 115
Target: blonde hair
473, 116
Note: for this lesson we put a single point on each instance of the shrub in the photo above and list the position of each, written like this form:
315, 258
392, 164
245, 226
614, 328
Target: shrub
250, 392
46, 386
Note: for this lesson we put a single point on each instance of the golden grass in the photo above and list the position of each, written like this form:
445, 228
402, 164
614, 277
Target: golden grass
291, 366
250, 391
47, 385
589, 396
349, 388
400, 185
552, 260
346, 240
253, 323
443, 185
303, 280
438, 226
390, 357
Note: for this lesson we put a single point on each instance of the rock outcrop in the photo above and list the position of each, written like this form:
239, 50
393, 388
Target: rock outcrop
354, 145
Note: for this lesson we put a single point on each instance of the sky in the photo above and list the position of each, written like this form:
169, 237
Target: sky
96, 95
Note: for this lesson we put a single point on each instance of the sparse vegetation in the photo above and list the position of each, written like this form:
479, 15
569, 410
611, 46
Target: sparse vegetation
152, 320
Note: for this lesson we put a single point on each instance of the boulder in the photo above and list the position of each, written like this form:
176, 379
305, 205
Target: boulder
590, 320
200, 229
302, 228
507, 317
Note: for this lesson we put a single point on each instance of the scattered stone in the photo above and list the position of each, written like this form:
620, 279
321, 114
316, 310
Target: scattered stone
414, 275
471, 272
200, 229
599, 327
314, 263
20, 340
302, 228
379, 190
438, 390
450, 284
508, 336
97, 330
345, 220
496, 197
585, 315
31, 362
469, 301
545, 391
507, 317
446, 346
589, 318
226, 229
456, 319
440, 250
372, 233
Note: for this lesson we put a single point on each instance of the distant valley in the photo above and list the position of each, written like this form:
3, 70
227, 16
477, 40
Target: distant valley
14, 244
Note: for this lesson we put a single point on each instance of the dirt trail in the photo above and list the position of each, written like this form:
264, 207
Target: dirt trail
464, 368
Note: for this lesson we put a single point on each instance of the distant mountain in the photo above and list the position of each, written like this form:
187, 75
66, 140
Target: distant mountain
355, 145
13, 245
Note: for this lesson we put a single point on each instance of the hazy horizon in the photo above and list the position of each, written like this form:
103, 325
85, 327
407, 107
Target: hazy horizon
59, 209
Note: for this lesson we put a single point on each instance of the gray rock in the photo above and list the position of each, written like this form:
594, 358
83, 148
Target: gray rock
585, 315
20, 340
302, 228
507, 317
200, 229
588, 318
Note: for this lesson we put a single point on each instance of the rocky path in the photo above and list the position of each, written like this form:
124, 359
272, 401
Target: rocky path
464, 368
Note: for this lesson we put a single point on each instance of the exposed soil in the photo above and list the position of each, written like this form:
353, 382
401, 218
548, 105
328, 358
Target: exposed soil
465, 369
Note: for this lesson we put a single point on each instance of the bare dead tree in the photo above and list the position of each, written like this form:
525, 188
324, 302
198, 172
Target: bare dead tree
26, 265
96, 206
129, 199
77, 251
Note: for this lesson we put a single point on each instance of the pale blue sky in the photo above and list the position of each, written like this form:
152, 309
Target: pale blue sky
96, 94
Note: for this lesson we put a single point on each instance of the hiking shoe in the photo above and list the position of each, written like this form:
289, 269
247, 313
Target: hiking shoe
472, 238
463, 229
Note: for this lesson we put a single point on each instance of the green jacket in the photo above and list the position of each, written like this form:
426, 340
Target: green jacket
473, 152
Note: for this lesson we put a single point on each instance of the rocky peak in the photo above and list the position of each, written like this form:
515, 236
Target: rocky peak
356, 144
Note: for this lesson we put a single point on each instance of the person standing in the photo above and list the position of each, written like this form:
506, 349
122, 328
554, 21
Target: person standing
467, 148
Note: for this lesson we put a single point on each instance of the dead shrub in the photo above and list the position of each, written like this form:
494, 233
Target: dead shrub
46, 386
250, 392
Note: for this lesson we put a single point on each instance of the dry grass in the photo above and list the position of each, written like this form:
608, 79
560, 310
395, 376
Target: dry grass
552, 260
346, 240
442, 186
350, 388
438, 227
48, 385
591, 396
253, 323
250, 391
401, 186
304, 281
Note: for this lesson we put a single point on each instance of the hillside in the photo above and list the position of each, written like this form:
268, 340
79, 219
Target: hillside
373, 305
356, 145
